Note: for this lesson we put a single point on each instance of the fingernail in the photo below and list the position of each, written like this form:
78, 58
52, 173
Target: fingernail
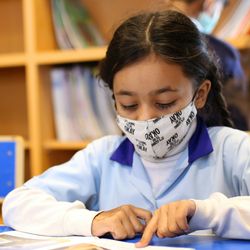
138, 244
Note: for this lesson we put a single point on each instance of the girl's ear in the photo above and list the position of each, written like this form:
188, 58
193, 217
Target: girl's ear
202, 94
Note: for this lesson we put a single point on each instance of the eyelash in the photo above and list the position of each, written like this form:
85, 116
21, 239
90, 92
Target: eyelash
165, 105
160, 105
129, 107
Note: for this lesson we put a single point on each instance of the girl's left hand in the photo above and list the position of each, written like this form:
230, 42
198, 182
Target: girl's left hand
169, 220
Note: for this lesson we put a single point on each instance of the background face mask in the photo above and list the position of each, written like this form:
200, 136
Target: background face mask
209, 17
155, 138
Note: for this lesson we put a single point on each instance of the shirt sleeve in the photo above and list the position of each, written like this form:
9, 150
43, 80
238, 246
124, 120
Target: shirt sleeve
77, 179
60, 202
227, 217
35, 211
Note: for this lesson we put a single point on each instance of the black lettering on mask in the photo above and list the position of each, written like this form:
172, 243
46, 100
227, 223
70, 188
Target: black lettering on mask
190, 118
156, 120
172, 140
130, 127
152, 134
156, 140
176, 119
141, 145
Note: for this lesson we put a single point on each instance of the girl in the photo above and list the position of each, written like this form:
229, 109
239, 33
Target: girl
178, 159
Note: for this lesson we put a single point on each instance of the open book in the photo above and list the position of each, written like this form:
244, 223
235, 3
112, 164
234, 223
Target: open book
15, 240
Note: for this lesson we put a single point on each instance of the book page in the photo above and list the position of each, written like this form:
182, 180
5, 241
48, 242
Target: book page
15, 240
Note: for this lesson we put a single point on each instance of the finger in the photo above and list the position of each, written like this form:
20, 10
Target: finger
137, 224
162, 227
148, 232
173, 226
142, 213
182, 218
118, 231
132, 221
128, 226
163, 223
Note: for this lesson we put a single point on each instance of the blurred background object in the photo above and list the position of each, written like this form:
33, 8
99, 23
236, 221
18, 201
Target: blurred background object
206, 14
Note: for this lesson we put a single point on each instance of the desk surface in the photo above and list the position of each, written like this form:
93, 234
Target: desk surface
202, 243
191, 241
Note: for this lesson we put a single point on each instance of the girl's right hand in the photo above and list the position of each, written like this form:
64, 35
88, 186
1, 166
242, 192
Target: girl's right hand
122, 222
170, 220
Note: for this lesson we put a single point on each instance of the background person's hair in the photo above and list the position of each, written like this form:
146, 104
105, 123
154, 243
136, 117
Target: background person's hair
173, 37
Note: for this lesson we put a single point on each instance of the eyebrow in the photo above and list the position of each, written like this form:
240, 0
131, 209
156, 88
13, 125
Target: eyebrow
125, 92
154, 92
162, 90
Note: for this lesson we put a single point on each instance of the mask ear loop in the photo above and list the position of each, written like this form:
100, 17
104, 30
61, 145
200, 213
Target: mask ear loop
113, 98
195, 93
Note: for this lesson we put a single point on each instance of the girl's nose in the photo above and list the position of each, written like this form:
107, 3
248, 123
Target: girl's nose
146, 114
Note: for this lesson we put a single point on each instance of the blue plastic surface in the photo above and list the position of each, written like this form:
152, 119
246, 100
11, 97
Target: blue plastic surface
190, 241
7, 167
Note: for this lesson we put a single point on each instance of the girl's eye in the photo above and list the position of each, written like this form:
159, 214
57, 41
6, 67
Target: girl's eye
165, 105
129, 107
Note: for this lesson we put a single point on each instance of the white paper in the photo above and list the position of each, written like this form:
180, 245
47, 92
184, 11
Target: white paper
115, 245
15, 240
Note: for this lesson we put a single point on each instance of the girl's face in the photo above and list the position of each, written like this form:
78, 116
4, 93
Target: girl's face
151, 88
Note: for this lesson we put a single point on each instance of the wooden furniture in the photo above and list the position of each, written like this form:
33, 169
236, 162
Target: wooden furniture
28, 50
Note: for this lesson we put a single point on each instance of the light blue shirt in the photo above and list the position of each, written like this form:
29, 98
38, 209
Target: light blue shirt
109, 173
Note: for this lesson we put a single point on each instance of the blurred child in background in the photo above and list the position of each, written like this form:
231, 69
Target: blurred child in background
205, 14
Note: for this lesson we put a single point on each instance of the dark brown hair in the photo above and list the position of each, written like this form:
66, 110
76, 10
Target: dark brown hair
173, 37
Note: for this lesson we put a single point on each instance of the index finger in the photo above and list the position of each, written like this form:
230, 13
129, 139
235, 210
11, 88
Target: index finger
142, 214
148, 233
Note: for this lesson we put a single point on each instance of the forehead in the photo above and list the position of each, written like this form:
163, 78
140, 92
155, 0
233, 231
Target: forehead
149, 74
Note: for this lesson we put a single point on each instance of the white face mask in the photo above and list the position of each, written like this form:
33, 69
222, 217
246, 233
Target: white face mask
155, 138
210, 16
